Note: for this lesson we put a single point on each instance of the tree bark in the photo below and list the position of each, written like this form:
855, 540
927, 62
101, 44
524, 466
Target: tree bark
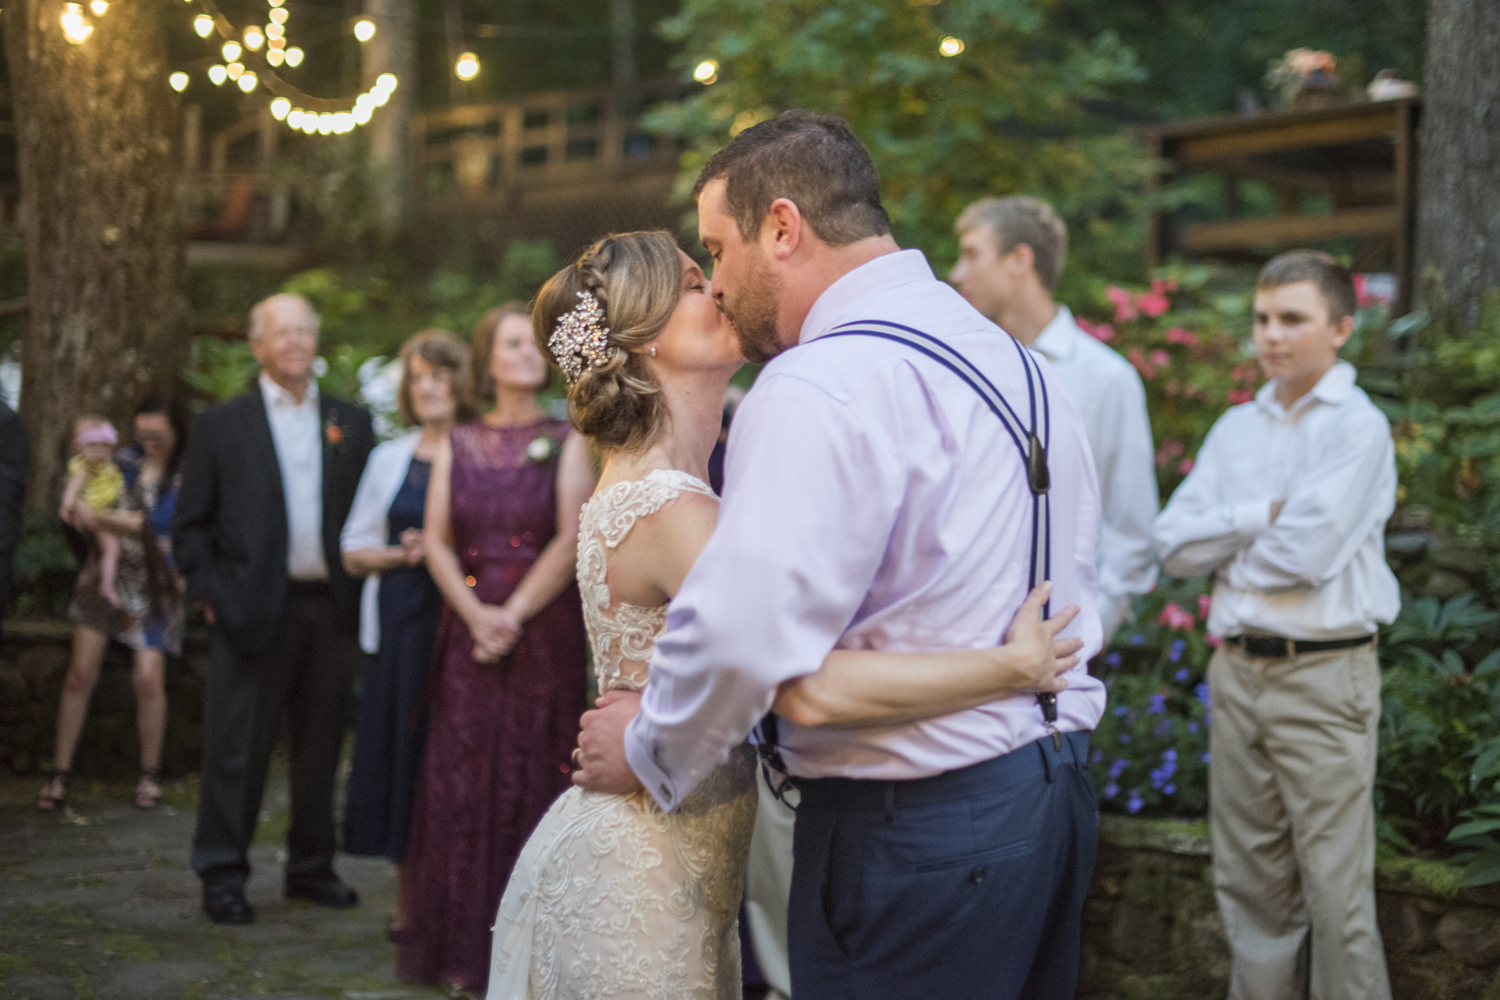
392, 50
1458, 221
96, 128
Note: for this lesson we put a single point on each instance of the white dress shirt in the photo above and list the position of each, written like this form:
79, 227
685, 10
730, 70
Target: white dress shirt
299, 453
874, 502
1112, 401
368, 526
1319, 572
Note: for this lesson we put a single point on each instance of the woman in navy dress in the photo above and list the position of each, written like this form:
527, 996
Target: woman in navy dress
383, 542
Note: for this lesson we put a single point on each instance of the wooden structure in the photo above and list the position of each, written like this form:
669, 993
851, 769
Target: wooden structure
1356, 162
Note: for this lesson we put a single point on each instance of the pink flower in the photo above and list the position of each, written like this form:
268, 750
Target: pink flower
1173, 387
1153, 303
1204, 603
1167, 285
1177, 335
1185, 466
1136, 358
1238, 396
1101, 332
1124, 310
1174, 617
1160, 358
1213, 640
1173, 447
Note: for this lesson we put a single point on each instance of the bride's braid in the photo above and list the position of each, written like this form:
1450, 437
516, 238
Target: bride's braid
637, 279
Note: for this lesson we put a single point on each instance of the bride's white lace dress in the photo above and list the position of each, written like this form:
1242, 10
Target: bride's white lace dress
611, 897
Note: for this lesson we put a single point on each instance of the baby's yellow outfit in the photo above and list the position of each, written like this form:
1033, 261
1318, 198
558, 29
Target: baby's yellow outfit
102, 483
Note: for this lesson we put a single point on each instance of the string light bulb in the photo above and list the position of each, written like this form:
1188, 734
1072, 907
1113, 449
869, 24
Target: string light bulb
467, 67
254, 38
362, 112
293, 118
280, 108
364, 29
278, 15
706, 72
294, 57
76, 28
235, 70
217, 74
275, 57
386, 82
179, 81
247, 80
203, 25
275, 32
99, 7
951, 46
231, 51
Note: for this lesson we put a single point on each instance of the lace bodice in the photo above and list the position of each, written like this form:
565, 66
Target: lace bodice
622, 635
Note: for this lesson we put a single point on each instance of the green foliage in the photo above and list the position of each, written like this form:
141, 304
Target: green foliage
219, 369
44, 567
1006, 116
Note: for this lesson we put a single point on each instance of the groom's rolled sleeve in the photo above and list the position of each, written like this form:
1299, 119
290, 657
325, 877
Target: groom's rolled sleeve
814, 492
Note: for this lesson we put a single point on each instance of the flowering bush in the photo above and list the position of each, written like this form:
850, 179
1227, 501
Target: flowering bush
1186, 336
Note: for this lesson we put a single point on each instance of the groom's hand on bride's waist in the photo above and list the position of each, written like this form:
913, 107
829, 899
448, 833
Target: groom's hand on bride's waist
602, 766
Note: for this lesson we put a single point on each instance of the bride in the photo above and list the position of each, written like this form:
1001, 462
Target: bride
611, 897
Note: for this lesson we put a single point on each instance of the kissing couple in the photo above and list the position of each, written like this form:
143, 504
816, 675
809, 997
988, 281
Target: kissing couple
906, 488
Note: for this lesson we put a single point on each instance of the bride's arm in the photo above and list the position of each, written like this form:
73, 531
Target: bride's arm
868, 688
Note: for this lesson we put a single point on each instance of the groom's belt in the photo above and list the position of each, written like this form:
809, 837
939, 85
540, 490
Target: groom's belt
1276, 647
1021, 764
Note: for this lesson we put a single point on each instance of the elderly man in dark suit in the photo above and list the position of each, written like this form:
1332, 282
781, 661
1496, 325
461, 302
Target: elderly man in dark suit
266, 486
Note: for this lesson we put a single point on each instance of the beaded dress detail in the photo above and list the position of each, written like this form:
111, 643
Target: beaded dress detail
611, 898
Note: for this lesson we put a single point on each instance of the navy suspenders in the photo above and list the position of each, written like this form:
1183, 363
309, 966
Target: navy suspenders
1031, 439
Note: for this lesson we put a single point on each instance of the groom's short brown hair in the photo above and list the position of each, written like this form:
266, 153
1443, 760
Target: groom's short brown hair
813, 159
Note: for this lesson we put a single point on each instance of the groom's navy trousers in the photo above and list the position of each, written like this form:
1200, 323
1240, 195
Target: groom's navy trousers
968, 884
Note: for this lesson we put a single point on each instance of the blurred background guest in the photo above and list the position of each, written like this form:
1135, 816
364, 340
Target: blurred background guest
502, 542
15, 456
398, 622
149, 618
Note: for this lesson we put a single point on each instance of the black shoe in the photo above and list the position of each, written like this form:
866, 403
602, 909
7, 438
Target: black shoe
225, 904
325, 890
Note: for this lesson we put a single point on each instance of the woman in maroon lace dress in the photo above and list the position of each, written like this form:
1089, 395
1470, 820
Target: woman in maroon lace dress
509, 677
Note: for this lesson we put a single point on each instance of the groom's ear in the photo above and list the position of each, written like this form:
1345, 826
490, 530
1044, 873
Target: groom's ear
783, 229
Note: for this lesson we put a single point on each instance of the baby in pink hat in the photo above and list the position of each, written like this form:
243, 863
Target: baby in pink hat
95, 481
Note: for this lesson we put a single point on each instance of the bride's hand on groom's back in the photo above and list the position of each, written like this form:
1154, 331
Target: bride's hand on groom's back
1041, 658
602, 766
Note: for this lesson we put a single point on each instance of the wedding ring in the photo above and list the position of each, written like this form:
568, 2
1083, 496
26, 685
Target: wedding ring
576, 752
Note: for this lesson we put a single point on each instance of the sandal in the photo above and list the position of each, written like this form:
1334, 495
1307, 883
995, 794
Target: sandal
148, 789
54, 792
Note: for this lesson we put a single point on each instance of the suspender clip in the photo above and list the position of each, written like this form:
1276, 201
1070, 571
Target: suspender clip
1036, 466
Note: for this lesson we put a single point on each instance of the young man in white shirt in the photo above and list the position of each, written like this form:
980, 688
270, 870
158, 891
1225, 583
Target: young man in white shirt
1287, 506
1011, 255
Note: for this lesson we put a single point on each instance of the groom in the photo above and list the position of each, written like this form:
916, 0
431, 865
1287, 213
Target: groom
875, 502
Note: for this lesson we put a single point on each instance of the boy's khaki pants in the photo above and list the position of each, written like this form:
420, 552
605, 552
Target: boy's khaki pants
1290, 779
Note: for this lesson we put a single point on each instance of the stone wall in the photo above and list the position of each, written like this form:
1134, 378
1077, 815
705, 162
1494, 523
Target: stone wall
33, 662
1152, 931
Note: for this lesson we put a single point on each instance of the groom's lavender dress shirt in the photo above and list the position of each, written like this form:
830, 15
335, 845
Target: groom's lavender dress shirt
872, 502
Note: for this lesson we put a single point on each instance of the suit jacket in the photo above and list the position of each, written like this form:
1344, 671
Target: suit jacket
229, 538
14, 451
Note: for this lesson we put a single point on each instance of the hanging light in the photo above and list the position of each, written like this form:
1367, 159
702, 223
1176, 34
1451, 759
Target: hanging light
294, 117
275, 57
275, 33
467, 66
75, 26
309, 123
99, 7
203, 25
247, 80
231, 51
234, 70
362, 112
386, 82
278, 15
179, 81
294, 57
343, 122
364, 29
254, 38
706, 72
951, 46
325, 123
217, 74
280, 108
276, 3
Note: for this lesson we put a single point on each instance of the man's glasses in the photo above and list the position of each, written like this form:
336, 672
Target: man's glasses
153, 437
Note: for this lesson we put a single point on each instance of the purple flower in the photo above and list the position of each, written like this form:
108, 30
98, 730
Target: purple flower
1096, 756
1121, 710
1116, 768
1158, 704
1112, 660
1163, 728
1111, 790
1170, 789
1137, 639
1205, 757
1202, 692
1135, 802
1181, 675
1175, 653
1124, 737
1192, 727
1170, 755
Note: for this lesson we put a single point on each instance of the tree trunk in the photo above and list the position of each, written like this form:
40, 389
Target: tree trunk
1458, 227
392, 50
96, 128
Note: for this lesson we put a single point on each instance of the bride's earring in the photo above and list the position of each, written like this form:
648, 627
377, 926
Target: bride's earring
653, 350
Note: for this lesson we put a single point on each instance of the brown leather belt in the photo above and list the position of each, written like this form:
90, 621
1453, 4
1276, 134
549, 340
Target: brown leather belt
1276, 647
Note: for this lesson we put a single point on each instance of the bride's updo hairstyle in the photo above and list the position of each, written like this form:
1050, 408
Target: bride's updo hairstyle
594, 318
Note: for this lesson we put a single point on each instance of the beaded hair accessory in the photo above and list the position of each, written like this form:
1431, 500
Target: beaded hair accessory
581, 340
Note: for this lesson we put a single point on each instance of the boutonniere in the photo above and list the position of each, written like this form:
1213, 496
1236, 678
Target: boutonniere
333, 434
542, 448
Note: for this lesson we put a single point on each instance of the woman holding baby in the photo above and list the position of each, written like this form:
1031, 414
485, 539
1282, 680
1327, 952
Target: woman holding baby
142, 605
